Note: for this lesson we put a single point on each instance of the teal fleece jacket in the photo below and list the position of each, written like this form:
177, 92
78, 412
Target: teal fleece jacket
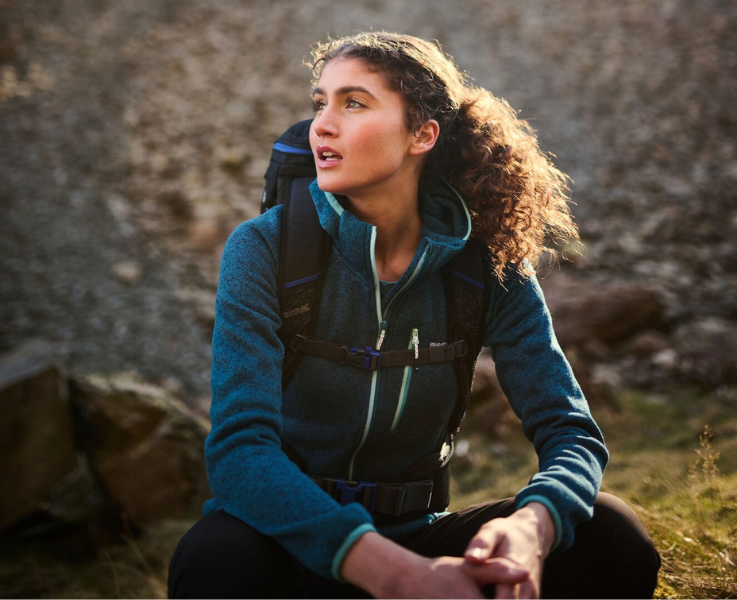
373, 426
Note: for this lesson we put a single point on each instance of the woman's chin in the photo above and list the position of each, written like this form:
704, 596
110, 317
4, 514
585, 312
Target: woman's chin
328, 184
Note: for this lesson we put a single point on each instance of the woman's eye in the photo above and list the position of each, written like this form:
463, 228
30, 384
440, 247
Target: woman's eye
317, 105
354, 104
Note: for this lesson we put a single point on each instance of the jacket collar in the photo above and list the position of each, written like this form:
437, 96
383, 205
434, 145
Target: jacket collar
446, 225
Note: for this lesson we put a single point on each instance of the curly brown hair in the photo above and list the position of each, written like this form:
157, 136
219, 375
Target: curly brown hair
517, 198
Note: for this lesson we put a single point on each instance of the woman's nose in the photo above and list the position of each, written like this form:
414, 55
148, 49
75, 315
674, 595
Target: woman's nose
325, 123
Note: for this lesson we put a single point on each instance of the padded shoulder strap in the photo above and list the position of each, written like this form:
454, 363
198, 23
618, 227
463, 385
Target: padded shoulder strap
304, 249
467, 286
304, 246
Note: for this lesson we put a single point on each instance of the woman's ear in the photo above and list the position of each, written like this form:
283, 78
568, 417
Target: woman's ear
425, 137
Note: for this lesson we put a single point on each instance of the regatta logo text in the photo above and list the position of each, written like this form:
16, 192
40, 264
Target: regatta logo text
297, 311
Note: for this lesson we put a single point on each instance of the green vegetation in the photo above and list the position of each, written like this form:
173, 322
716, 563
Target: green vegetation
679, 475
674, 461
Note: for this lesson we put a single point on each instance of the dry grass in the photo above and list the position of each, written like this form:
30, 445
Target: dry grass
135, 568
678, 475
701, 559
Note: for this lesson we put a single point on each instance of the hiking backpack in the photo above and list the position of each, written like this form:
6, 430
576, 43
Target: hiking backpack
304, 251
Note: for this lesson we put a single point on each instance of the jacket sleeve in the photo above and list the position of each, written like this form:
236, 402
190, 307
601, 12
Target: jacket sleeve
250, 476
539, 383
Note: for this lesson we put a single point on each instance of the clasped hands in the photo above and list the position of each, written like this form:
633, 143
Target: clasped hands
508, 552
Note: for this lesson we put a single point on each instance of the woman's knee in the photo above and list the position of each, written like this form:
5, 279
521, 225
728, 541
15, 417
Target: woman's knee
629, 530
630, 547
612, 557
222, 557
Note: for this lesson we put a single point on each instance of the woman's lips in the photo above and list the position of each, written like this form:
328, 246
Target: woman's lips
327, 157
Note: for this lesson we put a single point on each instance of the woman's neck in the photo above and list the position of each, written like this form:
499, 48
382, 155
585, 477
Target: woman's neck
398, 230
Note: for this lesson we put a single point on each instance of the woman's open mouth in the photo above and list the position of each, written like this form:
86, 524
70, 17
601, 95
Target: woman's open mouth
327, 157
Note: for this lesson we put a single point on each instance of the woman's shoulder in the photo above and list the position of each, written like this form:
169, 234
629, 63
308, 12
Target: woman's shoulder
253, 245
518, 292
257, 235
265, 227
519, 279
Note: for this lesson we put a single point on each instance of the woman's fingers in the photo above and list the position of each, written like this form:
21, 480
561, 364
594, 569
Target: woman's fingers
505, 591
528, 590
524, 591
496, 570
481, 546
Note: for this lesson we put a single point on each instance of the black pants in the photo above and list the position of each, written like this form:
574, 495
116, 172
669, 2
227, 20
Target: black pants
222, 557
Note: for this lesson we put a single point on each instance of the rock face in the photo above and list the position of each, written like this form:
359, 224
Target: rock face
37, 441
708, 351
148, 126
145, 449
605, 314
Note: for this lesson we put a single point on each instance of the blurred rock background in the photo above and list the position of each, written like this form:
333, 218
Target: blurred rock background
134, 136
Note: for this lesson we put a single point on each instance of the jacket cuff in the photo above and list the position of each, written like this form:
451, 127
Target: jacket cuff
555, 517
352, 538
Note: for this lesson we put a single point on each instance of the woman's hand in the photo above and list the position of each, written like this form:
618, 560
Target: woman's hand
386, 570
451, 577
524, 539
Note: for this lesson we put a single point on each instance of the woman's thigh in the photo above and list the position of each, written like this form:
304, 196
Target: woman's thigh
223, 557
612, 555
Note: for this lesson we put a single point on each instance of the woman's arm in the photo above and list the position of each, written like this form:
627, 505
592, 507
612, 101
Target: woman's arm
541, 388
250, 477
544, 394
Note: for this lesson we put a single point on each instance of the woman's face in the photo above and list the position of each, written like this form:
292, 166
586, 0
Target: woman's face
359, 138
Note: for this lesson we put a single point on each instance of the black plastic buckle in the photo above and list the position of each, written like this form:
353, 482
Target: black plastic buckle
348, 490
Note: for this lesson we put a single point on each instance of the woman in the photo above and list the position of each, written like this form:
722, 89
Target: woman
411, 162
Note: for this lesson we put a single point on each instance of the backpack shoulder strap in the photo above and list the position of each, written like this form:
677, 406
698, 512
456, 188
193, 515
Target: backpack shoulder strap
467, 279
304, 247
467, 286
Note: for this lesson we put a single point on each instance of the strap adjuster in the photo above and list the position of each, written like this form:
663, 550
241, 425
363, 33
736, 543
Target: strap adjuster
368, 358
369, 354
348, 490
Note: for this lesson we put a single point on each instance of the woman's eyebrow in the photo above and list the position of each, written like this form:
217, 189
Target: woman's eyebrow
343, 91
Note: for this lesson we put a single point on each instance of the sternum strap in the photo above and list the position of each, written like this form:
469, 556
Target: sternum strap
370, 359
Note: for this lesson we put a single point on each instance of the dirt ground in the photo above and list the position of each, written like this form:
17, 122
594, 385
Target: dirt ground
134, 136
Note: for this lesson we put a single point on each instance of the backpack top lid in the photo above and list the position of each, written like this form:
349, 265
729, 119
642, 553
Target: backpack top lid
296, 138
291, 158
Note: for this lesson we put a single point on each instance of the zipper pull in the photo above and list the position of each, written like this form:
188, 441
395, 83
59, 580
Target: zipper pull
416, 344
382, 334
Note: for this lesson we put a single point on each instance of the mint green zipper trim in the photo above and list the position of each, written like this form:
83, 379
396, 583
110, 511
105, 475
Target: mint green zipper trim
465, 208
381, 319
405, 384
333, 201
375, 376
410, 280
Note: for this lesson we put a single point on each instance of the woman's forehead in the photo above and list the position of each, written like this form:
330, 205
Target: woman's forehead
344, 73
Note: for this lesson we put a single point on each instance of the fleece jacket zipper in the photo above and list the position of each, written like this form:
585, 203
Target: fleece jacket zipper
414, 342
383, 323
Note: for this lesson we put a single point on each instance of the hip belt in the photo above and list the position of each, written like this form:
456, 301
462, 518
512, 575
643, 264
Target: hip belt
391, 499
